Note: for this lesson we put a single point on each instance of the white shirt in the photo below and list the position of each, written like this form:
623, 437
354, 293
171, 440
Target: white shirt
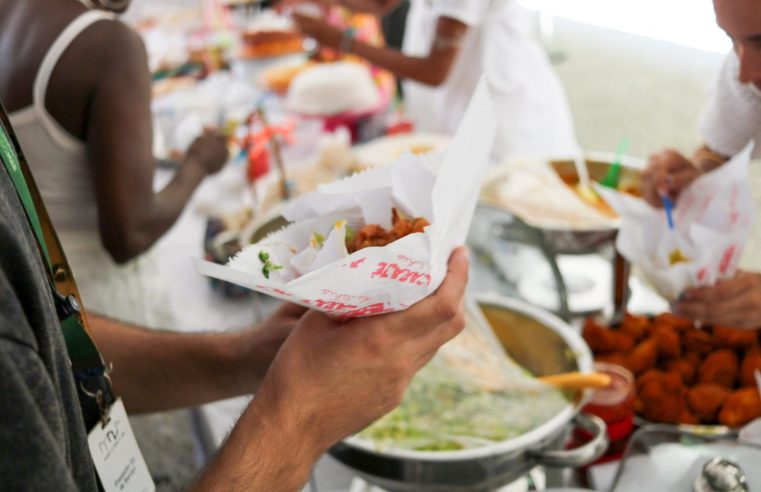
732, 116
534, 117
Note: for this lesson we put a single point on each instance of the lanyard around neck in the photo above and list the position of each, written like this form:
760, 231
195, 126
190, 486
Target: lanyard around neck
89, 369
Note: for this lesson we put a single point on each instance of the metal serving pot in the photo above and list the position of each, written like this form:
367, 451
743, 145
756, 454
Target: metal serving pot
558, 239
541, 343
496, 221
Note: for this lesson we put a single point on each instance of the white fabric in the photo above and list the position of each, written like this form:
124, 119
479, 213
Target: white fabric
58, 161
533, 113
732, 117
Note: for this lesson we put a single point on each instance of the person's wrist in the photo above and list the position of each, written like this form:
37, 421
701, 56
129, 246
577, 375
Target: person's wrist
706, 160
249, 353
347, 40
193, 169
289, 423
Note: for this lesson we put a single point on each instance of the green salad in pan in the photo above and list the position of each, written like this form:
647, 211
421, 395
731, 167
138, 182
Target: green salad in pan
470, 395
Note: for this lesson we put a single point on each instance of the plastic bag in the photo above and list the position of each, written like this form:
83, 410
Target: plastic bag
442, 188
713, 218
470, 395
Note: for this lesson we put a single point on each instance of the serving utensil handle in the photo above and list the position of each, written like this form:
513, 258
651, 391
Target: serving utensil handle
582, 455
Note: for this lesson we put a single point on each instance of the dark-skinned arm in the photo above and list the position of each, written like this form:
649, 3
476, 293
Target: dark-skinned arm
375, 7
119, 149
431, 69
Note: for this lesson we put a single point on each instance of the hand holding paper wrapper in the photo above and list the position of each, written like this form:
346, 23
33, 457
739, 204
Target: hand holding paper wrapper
713, 218
442, 188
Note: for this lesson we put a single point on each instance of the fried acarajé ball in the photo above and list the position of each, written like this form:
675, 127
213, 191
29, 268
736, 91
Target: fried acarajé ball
698, 341
678, 323
667, 340
661, 400
693, 358
750, 363
643, 357
370, 235
705, 401
733, 338
684, 367
740, 407
687, 417
669, 379
612, 358
402, 226
622, 342
635, 326
720, 367
375, 235
598, 337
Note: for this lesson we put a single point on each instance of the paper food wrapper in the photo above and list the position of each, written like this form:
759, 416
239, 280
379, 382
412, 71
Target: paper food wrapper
442, 187
712, 219
535, 193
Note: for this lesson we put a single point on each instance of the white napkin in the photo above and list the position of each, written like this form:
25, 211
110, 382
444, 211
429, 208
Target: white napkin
713, 218
442, 188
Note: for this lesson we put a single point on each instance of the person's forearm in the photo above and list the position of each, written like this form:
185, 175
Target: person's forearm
154, 370
266, 451
375, 7
424, 70
164, 210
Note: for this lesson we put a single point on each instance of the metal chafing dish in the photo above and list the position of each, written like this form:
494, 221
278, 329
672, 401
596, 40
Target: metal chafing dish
556, 240
544, 345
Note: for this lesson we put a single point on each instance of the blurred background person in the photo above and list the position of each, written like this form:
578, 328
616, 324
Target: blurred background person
448, 45
79, 91
730, 121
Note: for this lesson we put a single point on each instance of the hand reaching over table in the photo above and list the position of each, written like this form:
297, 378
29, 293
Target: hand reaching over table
667, 173
343, 376
735, 302
208, 152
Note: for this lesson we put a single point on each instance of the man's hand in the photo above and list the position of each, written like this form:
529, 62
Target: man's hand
337, 378
329, 380
208, 152
255, 348
667, 174
735, 302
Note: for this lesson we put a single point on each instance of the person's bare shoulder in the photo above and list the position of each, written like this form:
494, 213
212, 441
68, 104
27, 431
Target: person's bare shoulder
107, 59
114, 47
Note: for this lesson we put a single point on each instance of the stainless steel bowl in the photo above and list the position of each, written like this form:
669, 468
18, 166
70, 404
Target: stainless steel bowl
544, 345
558, 239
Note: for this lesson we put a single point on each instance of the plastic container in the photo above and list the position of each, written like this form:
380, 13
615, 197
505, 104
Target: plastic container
615, 406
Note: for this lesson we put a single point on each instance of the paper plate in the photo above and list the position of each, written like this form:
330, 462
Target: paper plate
385, 150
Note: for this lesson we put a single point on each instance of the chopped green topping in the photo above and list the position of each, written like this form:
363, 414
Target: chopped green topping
350, 233
317, 240
268, 265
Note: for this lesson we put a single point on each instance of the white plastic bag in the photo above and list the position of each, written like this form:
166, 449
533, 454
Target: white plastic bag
712, 218
443, 188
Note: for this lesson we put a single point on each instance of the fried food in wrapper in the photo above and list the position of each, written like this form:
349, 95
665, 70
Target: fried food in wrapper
712, 219
471, 394
308, 262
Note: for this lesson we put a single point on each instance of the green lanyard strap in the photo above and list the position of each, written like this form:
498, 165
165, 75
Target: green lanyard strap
90, 371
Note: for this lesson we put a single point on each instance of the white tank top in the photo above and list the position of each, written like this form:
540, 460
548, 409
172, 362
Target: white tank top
134, 292
56, 158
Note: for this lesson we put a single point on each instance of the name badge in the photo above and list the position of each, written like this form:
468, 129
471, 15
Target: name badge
117, 458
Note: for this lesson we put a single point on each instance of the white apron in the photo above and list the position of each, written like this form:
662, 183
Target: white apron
533, 113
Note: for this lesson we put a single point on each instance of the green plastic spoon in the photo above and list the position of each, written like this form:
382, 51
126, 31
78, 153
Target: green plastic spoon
613, 176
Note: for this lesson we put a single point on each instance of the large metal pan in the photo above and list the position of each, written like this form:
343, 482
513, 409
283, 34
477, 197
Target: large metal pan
544, 345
